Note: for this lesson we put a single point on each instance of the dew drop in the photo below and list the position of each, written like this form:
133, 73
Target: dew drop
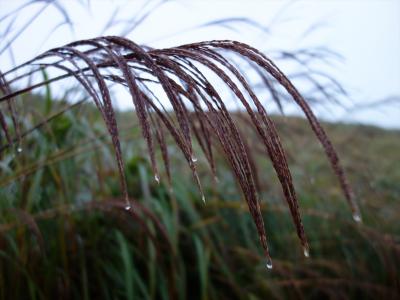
357, 217
128, 207
19, 149
157, 178
194, 159
269, 263
306, 252
203, 198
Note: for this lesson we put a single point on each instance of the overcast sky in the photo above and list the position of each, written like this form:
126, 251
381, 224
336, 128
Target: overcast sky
366, 33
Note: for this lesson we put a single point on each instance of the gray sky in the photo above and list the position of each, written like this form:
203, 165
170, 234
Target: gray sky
366, 33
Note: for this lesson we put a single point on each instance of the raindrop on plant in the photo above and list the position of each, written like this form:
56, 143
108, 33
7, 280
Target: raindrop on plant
203, 198
306, 251
157, 178
194, 159
269, 263
357, 217
128, 207
19, 149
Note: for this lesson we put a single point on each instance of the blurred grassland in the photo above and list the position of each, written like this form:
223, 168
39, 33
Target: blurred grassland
64, 233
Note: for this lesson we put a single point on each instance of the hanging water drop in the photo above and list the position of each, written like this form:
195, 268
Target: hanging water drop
157, 178
357, 217
203, 198
19, 149
269, 263
306, 252
194, 159
128, 207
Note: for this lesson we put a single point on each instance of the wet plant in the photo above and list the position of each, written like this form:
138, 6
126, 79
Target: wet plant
197, 109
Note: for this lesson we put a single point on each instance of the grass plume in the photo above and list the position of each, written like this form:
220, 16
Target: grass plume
198, 108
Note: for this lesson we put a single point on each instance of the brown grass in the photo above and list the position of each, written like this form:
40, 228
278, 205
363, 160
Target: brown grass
198, 109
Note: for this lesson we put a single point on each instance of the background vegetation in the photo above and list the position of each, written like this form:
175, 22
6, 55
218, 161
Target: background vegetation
65, 234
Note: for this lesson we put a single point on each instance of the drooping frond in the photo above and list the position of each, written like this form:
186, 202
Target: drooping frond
199, 111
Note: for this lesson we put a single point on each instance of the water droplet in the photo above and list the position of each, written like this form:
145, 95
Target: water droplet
128, 207
306, 252
194, 159
157, 178
19, 149
203, 198
269, 263
357, 217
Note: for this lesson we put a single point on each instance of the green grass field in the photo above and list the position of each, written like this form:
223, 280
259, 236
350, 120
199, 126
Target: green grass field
65, 234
